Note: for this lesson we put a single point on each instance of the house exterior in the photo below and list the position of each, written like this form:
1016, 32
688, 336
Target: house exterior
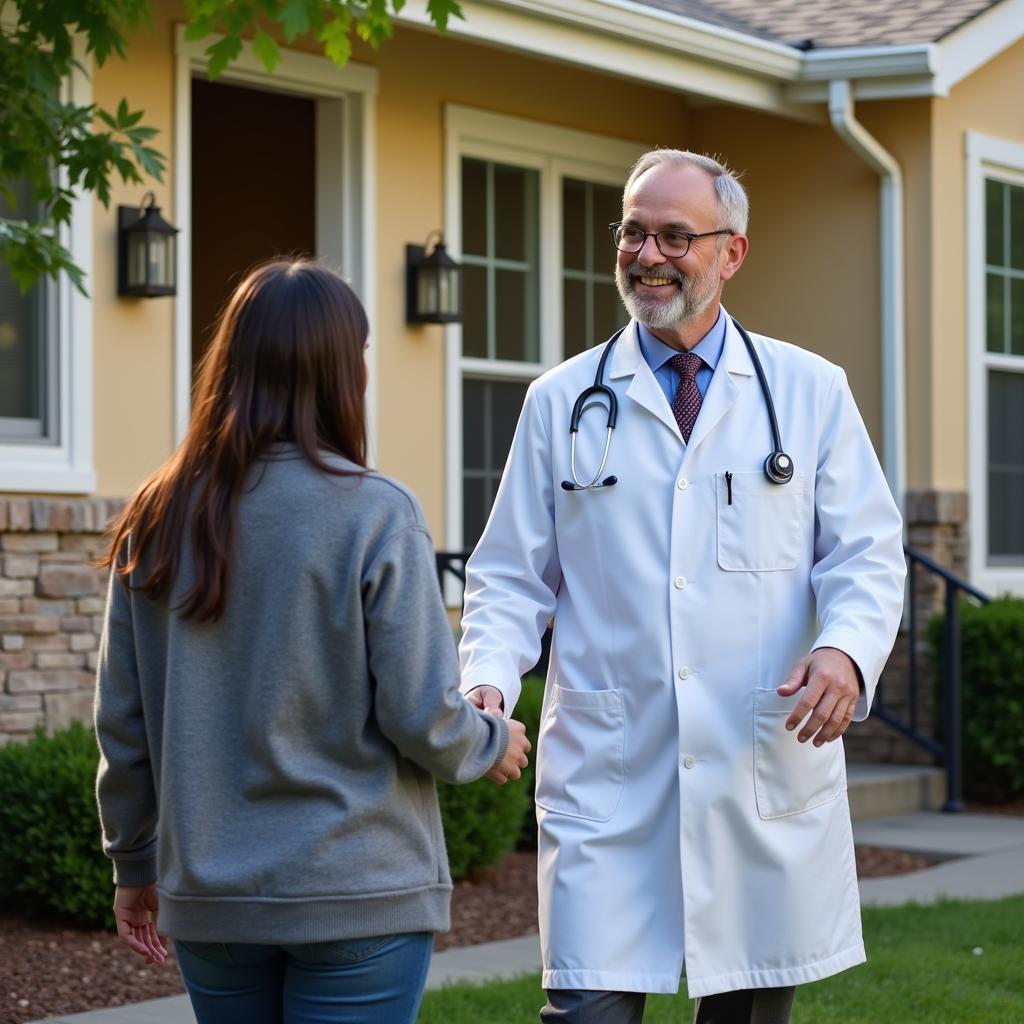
882, 144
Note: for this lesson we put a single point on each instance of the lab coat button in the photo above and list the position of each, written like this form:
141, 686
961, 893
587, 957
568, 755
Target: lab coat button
680, 582
682, 483
689, 762
684, 673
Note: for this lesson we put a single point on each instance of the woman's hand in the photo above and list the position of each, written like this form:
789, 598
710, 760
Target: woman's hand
512, 764
135, 909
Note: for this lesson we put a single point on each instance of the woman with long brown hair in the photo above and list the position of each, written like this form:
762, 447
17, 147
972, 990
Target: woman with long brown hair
278, 684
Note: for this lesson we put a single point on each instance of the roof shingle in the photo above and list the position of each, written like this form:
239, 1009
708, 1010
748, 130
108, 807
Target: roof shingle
832, 23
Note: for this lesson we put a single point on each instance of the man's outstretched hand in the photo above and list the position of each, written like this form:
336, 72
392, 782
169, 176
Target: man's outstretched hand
831, 687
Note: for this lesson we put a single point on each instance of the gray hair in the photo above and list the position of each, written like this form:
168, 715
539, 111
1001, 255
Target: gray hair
733, 204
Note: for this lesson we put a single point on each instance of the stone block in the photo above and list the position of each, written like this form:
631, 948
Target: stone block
84, 641
68, 581
91, 605
48, 680
9, 606
19, 514
3, 515
932, 507
64, 708
29, 543
57, 642
61, 558
77, 624
50, 514
88, 544
21, 566
92, 660
17, 588
59, 659
22, 702
29, 624
19, 721
16, 660
12, 642
43, 606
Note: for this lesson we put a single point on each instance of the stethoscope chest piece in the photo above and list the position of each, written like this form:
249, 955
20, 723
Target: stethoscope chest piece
778, 467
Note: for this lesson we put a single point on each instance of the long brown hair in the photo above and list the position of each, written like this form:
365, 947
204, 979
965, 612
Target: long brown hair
285, 364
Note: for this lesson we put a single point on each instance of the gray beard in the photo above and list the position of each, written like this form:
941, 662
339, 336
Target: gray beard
690, 303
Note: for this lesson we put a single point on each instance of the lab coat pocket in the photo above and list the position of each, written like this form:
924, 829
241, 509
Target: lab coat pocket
579, 770
790, 776
761, 526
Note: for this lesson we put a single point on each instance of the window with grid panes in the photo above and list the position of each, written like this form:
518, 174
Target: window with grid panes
28, 367
591, 308
1004, 342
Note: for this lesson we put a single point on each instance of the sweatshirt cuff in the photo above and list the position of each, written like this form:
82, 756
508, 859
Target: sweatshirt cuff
136, 872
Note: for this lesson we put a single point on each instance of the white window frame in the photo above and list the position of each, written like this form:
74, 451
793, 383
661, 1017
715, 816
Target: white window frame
1003, 160
64, 465
346, 175
554, 153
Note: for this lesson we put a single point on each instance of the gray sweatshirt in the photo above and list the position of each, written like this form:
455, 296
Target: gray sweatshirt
272, 771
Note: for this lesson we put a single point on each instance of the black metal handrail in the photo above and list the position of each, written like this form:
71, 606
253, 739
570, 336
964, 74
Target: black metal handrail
948, 751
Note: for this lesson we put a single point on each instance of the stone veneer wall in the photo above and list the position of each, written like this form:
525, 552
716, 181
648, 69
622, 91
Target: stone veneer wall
937, 526
51, 610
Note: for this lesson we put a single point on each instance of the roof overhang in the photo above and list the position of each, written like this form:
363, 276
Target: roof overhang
714, 64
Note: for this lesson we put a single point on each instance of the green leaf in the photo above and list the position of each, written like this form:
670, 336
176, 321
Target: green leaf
337, 45
441, 10
294, 18
266, 49
221, 54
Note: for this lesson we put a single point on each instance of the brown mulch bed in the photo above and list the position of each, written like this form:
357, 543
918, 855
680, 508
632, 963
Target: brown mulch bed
48, 968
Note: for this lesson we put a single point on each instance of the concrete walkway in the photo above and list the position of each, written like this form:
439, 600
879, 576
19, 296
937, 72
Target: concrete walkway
977, 857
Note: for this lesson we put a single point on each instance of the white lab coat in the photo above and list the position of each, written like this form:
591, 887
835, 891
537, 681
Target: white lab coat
677, 817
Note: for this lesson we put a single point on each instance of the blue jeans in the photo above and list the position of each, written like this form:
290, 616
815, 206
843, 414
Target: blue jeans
359, 981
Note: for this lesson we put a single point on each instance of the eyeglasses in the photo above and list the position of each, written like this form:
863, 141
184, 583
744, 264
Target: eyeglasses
671, 242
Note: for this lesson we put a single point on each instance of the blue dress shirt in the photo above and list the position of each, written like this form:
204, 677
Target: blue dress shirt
657, 354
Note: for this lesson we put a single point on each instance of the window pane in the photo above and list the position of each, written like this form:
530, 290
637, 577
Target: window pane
607, 205
474, 311
515, 213
24, 333
1017, 316
1006, 465
474, 207
574, 235
516, 315
574, 316
994, 253
490, 411
1016, 227
995, 333
475, 506
609, 313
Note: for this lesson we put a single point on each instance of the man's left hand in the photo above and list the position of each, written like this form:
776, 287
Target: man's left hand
831, 688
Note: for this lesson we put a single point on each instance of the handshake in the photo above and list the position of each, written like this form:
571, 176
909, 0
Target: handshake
489, 699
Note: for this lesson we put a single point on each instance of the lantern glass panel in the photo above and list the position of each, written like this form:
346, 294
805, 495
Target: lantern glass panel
159, 261
136, 259
449, 295
427, 291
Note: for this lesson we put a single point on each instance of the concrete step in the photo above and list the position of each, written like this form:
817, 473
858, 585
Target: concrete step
886, 790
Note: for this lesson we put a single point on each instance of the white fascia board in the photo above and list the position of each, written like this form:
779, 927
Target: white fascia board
857, 62
630, 42
865, 89
965, 50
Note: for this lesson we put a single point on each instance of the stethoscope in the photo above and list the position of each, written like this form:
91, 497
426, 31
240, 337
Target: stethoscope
778, 467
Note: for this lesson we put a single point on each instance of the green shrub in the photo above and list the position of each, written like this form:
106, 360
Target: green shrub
992, 638
528, 711
50, 856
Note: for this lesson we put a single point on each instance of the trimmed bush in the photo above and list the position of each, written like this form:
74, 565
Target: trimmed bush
992, 638
50, 856
528, 711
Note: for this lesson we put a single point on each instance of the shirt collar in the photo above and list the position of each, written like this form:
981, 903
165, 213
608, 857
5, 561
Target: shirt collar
709, 348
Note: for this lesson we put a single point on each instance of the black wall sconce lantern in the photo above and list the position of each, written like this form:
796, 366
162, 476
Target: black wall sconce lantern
145, 251
433, 284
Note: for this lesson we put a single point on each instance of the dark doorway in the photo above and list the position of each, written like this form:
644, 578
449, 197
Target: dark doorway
253, 189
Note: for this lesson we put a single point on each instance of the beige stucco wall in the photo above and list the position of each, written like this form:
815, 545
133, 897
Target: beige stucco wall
989, 101
133, 338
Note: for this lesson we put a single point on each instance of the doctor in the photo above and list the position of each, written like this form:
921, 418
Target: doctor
715, 632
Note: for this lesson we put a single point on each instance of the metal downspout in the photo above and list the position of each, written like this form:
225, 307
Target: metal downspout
894, 429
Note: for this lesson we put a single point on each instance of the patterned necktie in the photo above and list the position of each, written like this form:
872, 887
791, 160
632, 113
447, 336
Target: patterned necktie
686, 403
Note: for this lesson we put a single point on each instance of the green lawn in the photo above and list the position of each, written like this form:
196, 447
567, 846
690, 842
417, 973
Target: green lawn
922, 969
